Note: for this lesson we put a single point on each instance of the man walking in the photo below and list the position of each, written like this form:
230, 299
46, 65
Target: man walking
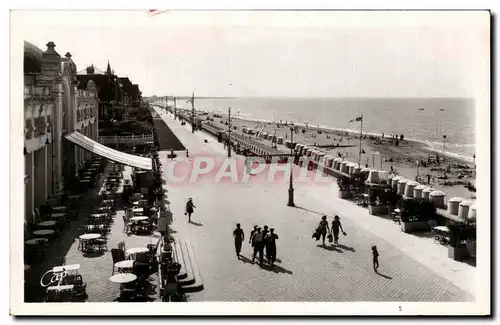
252, 233
257, 246
271, 247
189, 209
239, 237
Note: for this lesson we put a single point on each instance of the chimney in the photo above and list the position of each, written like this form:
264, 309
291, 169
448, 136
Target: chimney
51, 66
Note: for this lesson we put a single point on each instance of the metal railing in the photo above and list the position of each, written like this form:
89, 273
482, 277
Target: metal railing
129, 139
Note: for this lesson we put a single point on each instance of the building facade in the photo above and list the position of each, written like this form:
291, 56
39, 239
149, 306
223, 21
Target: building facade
117, 95
53, 107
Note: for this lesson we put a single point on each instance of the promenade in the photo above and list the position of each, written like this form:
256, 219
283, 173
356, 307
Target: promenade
411, 268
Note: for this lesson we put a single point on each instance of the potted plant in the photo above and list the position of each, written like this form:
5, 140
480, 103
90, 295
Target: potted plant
457, 248
373, 205
344, 185
416, 214
471, 240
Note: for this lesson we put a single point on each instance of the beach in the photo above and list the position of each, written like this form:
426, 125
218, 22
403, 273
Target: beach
377, 152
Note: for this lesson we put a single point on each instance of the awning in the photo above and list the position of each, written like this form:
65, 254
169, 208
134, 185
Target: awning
108, 153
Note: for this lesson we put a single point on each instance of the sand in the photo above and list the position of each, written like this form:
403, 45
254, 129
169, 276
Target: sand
379, 153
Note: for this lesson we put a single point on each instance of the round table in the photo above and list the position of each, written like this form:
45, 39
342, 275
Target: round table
123, 278
137, 250
59, 208
126, 264
138, 210
47, 224
57, 215
43, 232
34, 241
135, 203
74, 197
139, 218
89, 236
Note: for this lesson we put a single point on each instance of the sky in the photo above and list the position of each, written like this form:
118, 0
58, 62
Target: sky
289, 54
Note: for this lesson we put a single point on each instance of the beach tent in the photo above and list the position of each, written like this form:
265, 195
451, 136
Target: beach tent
280, 140
417, 191
410, 187
471, 217
402, 185
437, 198
464, 208
454, 204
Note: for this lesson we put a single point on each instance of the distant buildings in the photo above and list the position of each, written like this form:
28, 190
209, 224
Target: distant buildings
116, 94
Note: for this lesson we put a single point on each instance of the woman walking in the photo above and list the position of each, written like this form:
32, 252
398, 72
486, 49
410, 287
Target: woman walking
189, 209
239, 237
375, 258
336, 227
323, 228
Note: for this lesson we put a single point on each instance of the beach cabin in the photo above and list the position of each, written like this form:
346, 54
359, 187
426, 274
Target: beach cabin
250, 131
280, 140
321, 158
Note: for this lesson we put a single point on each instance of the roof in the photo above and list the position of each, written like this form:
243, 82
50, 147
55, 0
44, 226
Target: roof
32, 58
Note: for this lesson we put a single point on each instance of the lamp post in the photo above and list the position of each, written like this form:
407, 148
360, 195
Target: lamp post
192, 113
290, 189
175, 108
229, 133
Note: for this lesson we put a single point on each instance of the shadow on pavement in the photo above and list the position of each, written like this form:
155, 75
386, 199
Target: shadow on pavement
384, 276
93, 254
330, 248
245, 259
196, 223
276, 269
308, 210
347, 248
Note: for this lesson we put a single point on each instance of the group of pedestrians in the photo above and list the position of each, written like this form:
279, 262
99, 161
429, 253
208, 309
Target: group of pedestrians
322, 230
262, 241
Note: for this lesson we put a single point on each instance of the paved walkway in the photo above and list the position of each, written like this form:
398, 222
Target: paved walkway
96, 269
304, 272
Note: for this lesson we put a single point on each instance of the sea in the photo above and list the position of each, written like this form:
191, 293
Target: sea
446, 125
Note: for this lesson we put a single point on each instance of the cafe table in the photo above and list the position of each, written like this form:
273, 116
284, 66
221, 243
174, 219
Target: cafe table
59, 208
57, 215
138, 210
43, 232
126, 264
47, 224
63, 268
89, 236
34, 241
123, 278
139, 218
136, 250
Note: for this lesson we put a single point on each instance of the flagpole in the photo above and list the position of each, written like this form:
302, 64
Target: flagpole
360, 138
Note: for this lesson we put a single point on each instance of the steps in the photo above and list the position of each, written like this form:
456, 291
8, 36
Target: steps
198, 283
189, 276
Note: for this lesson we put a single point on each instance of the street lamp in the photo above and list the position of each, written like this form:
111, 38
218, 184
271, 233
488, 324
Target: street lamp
229, 133
290, 189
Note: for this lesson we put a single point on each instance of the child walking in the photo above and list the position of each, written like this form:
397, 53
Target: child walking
375, 258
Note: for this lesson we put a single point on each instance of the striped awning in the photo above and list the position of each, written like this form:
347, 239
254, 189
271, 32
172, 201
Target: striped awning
114, 155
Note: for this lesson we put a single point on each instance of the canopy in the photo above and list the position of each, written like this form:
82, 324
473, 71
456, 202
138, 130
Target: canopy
108, 153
